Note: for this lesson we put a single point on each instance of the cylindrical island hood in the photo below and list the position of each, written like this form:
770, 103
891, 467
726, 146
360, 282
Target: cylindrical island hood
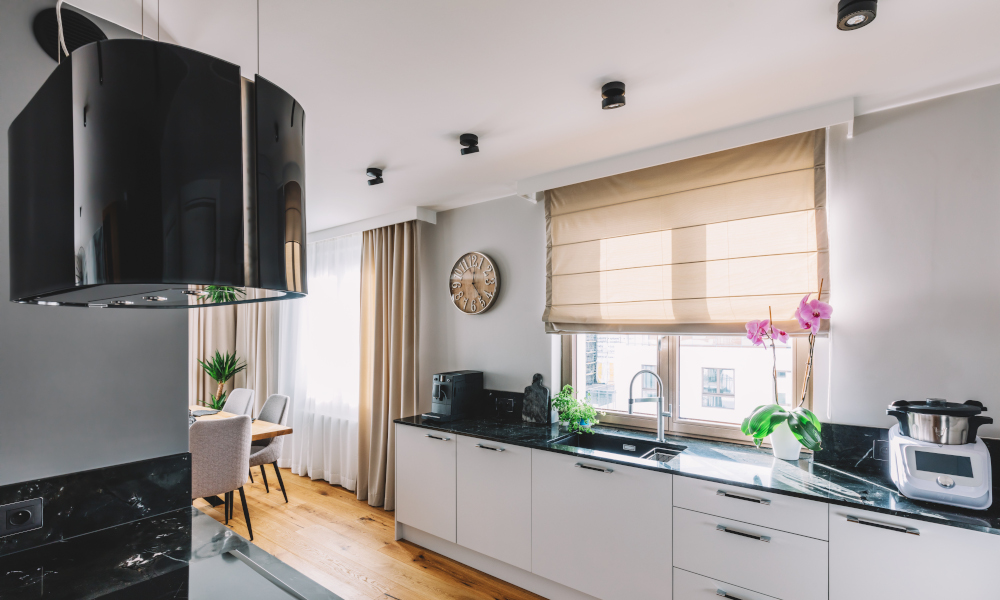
147, 175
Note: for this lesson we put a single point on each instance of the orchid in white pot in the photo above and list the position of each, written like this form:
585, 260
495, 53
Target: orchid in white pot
789, 429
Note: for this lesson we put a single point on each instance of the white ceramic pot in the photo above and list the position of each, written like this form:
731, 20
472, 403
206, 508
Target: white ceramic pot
784, 444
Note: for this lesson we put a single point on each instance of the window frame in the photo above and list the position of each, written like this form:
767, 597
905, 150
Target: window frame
668, 357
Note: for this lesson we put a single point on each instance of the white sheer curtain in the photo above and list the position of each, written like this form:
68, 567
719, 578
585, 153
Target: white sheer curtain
319, 364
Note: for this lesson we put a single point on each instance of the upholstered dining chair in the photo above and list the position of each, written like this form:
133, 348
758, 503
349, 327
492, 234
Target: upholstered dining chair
220, 449
240, 402
262, 452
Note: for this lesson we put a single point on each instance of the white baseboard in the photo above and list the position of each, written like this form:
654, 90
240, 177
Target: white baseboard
491, 566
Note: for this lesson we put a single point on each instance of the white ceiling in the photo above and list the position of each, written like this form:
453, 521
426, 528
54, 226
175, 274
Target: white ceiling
393, 83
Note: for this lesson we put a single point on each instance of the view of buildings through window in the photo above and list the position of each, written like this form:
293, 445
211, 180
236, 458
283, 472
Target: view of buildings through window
708, 370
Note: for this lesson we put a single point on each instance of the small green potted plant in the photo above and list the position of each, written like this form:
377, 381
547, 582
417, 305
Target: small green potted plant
579, 415
221, 369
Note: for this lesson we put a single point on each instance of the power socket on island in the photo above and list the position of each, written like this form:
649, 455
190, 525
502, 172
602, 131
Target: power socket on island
20, 516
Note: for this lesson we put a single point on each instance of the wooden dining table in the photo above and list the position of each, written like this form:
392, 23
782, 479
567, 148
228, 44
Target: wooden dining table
259, 430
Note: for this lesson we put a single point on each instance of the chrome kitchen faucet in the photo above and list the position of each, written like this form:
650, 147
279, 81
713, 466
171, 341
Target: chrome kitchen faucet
658, 399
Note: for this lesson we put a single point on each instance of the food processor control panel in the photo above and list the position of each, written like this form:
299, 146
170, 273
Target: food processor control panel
953, 474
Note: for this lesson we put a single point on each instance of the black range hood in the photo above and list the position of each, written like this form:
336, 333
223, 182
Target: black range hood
147, 175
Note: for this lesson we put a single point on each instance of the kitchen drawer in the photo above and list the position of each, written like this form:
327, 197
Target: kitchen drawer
775, 511
769, 561
689, 586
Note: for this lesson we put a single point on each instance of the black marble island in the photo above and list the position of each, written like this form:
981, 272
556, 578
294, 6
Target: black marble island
129, 531
844, 473
184, 554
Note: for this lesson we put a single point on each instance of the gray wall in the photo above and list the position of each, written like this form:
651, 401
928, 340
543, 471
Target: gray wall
508, 342
79, 388
915, 257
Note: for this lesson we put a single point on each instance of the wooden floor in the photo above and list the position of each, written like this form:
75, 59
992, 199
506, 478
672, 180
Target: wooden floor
348, 546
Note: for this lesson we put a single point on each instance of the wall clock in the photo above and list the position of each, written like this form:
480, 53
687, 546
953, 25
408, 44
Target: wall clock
474, 283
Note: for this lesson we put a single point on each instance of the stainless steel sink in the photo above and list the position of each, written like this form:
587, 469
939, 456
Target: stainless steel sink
621, 445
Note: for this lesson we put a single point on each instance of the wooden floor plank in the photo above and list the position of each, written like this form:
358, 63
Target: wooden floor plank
348, 547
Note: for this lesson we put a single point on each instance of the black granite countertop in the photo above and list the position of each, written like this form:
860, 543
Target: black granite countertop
183, 554
843, 479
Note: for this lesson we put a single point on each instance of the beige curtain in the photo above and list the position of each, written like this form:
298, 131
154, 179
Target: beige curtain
209, 330
256, 343
388, 354
695, 246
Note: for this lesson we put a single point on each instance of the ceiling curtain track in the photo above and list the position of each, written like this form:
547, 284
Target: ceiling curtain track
697, 246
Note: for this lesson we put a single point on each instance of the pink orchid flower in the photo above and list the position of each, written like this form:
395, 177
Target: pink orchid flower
811, 312
780, 335
756, 330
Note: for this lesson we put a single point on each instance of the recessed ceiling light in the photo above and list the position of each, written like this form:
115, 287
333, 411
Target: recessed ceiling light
375, 174
614, 95
470, 141
855, 14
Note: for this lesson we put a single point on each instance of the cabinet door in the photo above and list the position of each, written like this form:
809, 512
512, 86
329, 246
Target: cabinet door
494, 500
876, 556
601, 528
425, 480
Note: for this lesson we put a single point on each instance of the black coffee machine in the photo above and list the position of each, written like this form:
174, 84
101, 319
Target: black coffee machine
455, 395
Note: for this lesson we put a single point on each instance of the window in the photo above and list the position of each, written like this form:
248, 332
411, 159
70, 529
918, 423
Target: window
785, 388
699, 374
649, 385
610, 362
717, 388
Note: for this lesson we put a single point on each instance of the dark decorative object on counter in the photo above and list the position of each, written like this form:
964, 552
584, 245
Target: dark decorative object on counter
537, 403
503, 407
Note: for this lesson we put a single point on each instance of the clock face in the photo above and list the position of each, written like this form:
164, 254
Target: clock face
474, 283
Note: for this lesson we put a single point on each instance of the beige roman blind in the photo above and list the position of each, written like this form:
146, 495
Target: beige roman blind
700, 245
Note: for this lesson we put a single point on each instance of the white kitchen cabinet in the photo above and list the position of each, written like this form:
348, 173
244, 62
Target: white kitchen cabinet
601, 528
875, 556
425, 480
494, 500
689, 586
768, 509
768, 561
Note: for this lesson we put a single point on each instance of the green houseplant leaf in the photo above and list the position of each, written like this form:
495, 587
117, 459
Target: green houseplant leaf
221, 368
806, 428
762, 422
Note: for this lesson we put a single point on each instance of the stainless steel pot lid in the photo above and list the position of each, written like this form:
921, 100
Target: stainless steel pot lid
938, 406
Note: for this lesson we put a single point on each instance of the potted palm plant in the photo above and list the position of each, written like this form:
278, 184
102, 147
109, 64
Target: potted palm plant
221, 368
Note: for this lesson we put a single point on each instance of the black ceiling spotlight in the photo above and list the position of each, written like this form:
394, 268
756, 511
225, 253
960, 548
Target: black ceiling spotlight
855, 14
613, 94
376, 176
470, 141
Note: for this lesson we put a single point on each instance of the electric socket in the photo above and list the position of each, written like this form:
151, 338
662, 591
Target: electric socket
880, 450
20, 516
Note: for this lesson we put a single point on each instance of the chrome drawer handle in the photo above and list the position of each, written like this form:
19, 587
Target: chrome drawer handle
489, 448
434, 437
760, 538
725, 595
590, 468
726, 494
896, 528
